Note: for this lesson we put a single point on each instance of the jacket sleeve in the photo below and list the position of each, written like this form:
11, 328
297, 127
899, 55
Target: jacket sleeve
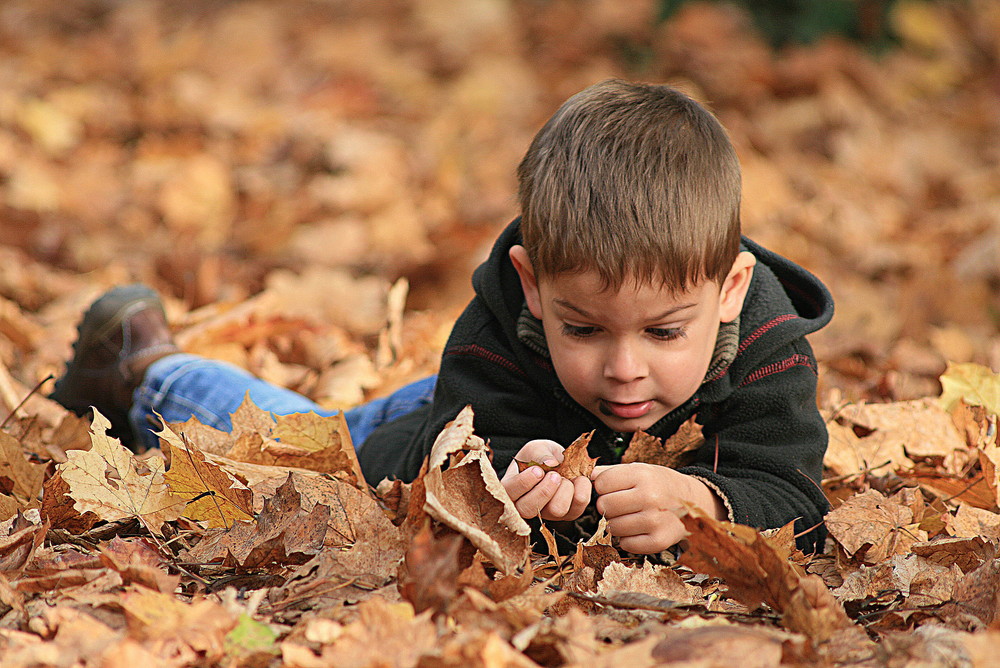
764, 447
509, 412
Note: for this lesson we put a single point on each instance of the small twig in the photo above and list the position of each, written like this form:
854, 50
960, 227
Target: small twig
805, 531
34, 390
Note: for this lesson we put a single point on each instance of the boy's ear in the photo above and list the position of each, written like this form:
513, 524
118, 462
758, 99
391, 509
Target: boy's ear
529, 284
735, 287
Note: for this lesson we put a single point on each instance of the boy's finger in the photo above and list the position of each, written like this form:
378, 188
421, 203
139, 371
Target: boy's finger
560, 503
520, 484
530, 504
581, 496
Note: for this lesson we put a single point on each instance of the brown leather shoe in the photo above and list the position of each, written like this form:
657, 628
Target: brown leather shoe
121, 334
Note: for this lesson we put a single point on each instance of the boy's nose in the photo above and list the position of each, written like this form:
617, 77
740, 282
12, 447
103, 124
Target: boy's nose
624, 364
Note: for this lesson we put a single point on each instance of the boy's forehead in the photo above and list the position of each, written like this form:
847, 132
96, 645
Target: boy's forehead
586, 292
590, 282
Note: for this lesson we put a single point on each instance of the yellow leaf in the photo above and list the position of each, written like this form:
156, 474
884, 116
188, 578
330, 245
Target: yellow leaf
212, 494
326, 439
974, 384
922, 24
110, 482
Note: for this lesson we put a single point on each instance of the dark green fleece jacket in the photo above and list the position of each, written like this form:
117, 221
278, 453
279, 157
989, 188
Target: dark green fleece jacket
764, 437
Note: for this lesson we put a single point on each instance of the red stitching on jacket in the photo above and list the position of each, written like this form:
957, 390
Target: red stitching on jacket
488, 355
778, 367
745, 343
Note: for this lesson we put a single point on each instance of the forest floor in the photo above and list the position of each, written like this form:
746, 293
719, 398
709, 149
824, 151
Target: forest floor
309, 185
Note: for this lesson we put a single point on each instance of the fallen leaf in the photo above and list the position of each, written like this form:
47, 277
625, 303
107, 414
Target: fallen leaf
756, 647
871, 527
18, 548
328, 441
870, 436
139, 562
211, 494
673, 452
110, 482
455, 439
755, 573
431, 570
974, 384
967, 553
469, 498
976, 595
970, 522
386, 634
187, 632
658, 582
283, 534
18, 477
576, 461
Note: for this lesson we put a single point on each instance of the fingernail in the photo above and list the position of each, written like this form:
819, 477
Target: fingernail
553, 476
537, 472
550, 461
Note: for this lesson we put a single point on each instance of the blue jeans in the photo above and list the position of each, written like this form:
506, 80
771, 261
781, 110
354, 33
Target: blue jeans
181, 386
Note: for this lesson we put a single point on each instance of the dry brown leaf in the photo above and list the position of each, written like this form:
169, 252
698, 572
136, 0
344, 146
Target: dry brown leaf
456, 438
187, 632
139, 562
967, 553
892, 434
658, 582
110, 482
283, 534
326, 439
18, 548
431, 570
755, 573
673, 452
975, 596
384, 634
971, 522
18, 477
362, 552
303, 441
757, 647
872, 528
469, 498
576, 461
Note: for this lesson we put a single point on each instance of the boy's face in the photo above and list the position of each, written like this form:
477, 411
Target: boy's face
631, 356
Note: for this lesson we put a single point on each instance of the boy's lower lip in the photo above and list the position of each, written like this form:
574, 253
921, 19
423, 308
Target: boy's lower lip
624, 411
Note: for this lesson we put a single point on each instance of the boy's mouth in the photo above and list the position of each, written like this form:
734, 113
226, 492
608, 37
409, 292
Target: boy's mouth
624, 411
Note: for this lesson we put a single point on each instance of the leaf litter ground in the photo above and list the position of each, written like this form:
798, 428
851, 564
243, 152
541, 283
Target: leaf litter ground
274, 172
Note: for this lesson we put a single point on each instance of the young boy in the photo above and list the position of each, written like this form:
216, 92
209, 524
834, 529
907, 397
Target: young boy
622, 299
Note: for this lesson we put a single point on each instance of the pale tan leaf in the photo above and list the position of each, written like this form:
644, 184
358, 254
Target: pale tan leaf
110, 482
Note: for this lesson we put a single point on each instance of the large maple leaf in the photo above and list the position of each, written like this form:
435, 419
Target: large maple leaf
110, 482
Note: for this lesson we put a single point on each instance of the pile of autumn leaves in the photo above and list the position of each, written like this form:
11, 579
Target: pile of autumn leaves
264, 545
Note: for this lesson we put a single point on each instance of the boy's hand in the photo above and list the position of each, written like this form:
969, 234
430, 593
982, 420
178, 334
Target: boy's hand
537, 493
641, 502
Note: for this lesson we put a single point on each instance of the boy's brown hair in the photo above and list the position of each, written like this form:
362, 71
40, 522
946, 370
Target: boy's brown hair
633, 181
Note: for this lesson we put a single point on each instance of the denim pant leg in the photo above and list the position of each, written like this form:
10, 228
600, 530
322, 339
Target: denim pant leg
181, 386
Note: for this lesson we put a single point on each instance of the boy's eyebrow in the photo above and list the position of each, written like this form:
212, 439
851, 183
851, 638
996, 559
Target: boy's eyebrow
663, 316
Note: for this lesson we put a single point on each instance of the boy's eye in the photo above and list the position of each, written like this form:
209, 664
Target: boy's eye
579, 331
666, 333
